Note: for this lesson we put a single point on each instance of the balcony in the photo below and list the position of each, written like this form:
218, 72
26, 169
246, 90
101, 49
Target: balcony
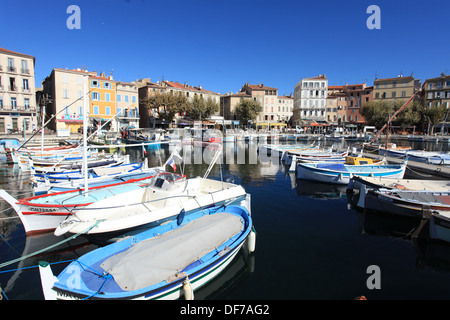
20, 109
12, 88
26, 90
11, 69
25, 71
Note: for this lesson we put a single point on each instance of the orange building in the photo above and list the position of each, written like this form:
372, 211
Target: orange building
102, 100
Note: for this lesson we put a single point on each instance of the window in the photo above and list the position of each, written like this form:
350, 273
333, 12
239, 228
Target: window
119, 98
108, 110
25, 67
107, 97
66, 110
94, 83
65, 94
11, 64
79, 80
27, 103
126, 98
430, 86
1, 102
65, 78
12, 84
95, 96
80, 94
25, 85
14, 103
394, 94
403, 94
133, 99
96, 110
107, 85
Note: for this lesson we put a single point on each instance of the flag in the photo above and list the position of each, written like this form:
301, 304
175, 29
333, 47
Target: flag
171, 163
144, 151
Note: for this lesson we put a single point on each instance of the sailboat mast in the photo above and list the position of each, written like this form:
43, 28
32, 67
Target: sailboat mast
85, 115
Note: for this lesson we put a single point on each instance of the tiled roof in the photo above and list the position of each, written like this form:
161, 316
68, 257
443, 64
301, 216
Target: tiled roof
14, 52
396, 78
259, 87
186, 87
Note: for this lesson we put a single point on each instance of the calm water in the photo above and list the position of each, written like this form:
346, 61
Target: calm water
310, 244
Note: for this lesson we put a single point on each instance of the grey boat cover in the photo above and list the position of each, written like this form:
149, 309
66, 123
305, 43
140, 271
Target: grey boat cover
156, 259
421, 196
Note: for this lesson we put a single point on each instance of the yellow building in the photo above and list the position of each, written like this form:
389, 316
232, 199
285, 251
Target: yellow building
102, 100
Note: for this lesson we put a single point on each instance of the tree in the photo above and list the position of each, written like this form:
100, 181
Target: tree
201, 109
166, 104
377, 113
433, 115
247, 109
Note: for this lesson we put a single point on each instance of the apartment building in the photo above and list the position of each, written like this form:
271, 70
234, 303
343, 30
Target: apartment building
65, 90
127, 104
277, 110
146, 88
103, 100
436, 91
310, 99
348, 100
228, 103
17, 91
392, 89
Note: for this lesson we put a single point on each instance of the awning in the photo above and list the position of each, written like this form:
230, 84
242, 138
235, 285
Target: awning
272, 124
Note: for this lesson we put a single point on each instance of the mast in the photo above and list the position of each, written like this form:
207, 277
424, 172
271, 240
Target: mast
85, 114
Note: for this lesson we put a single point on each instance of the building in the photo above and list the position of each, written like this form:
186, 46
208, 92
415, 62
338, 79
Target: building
102, 105
228, 103
127, 104
310, 99
277, 110
392, 89
436, 91
17, 91
64, 90
146, 88
348, 100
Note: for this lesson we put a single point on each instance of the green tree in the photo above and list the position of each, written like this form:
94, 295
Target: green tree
377, 113
201, 109
433, 115
247, 109
167, 104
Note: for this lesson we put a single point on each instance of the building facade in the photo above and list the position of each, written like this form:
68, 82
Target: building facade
277, 110
348, 102
17, 91
102, 105
436, 91
65, 89
392, 89
310, 100
127, 105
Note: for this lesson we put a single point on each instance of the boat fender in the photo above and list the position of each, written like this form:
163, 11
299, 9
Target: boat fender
251, 242
187, 290
181, 217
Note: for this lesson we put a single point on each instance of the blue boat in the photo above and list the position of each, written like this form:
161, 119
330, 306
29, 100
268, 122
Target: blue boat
169, 261
340, 173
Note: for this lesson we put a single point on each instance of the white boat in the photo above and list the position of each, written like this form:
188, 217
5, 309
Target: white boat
340, 173
170, 261
431, 157
163, 198
439, 225
358, 186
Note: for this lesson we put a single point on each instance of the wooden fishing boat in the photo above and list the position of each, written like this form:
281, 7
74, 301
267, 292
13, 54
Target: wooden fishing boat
44, 213
163, 198
358, 186
170, 261
341, 173
407, 203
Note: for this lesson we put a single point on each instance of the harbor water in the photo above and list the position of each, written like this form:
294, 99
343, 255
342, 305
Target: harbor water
310, 245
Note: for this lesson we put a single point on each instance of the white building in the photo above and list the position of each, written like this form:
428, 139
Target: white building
310, 99
17, 91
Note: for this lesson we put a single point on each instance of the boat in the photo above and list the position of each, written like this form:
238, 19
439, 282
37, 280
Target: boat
57, 182
431, 157
407, 203
392, 150
161, 199
439, 225
319, 155
170, 261
44, 213
341, 173
358, 186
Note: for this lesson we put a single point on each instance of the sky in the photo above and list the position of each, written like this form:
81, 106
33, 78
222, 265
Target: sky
223, 44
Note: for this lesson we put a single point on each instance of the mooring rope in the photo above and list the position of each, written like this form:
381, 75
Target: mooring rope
49, 247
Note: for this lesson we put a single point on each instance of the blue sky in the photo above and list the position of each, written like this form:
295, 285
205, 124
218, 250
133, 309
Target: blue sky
221, 44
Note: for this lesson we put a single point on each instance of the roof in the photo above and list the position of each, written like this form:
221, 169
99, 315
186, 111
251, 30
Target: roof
187, 87
259, 86
442, 77
393, 79
16, 53
320, 76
